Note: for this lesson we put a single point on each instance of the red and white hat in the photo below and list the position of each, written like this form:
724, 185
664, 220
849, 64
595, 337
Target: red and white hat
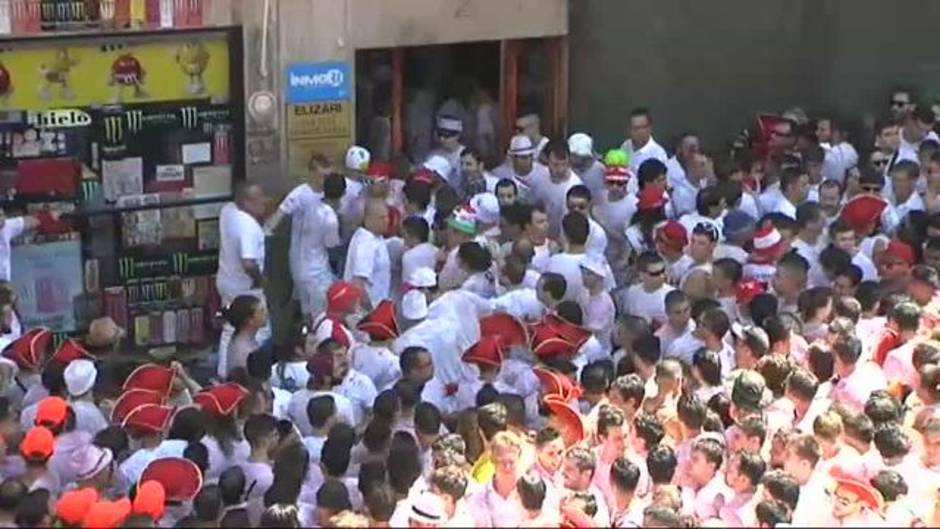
151, 377
222, 399
380, 324
342, 296
557, 384
131, 400
487, 351
70, 350
768, 245
330, 327
28, 350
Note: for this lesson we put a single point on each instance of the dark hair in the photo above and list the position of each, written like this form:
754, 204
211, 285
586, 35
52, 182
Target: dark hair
427, 419
848, 349
716, 322
576, 228
764, 306
12, 492
32, 509
891, 441
883, 408
290, 471
232, 483
113, 438
859, 426
751, 466
279, 515
188, 425
729, 268
531, 488
418, 193
812, 301
579, 191
648, 349
649, 428
320, 409
409, 393
336, 452
629, 388
257, 427
890, 484
515, 409
404, 462
557, 149
409, 358
380, 502
650, 170
475, 256
416, 227
334, 186
773, 513
387, 405
241, 310
782, 487
372, 474
198, 454
624, 474
53, 378
208, 503
233, 518
691, 411
661, 464
711, 449
553, 283
709, 366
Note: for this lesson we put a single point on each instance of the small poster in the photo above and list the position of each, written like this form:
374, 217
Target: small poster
122, 177
171, 173
208, 234
48, 279
144, 227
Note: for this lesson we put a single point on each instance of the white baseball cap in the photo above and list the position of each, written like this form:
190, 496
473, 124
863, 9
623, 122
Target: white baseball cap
358, 158
439, 165
581, 144
80, 376
595, 264
487, 207
414, 305
521, 145
423, 277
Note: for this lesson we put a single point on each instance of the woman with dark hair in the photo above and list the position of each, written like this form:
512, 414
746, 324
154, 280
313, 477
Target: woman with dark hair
247, 315
223, 407
280, 515
291, 470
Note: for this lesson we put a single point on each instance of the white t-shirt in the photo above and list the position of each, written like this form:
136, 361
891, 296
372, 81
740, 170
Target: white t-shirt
297, 409
241, 238
11, 229
421, 256
839, 159
593, 177
648, 305
314, 229
368, 260
523, 182
638, 156
554, 195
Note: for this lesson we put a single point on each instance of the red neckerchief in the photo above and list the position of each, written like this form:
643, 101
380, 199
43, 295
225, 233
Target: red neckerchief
890, 339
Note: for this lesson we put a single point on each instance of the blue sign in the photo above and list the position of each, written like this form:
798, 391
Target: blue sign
317, 81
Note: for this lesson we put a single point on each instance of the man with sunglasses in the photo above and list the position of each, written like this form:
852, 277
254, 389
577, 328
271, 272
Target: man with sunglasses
579, 200
520, 165
905, 197
447, 133
614, 210
696, 283
685, 180
917, 128
647, 299
902, 102
584, 162
529, 124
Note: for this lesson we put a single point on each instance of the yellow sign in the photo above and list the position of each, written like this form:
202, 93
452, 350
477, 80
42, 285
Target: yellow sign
42, 76
299, 152
329, 119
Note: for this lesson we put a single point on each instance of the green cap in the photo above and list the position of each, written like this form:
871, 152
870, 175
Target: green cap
616, 157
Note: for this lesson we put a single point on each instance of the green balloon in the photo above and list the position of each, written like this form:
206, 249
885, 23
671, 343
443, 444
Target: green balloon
616, 157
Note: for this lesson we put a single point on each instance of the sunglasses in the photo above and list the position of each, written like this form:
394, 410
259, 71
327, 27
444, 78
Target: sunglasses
871, 189
899, 104
656, 273
879, 163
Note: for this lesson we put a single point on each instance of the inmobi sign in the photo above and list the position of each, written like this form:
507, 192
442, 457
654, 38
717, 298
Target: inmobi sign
322, 81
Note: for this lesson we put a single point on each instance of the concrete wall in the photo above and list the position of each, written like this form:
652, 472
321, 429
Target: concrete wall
712, 65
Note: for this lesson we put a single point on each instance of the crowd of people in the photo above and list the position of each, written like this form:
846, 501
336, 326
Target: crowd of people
633, 339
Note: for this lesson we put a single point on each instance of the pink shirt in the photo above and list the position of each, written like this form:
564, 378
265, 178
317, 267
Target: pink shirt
490, 509
899, 365
706, 501
739, 511
855, 389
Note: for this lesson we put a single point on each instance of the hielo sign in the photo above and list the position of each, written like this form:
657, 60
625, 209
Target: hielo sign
321, 81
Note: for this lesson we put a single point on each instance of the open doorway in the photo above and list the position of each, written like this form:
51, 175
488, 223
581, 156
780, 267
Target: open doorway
401, 91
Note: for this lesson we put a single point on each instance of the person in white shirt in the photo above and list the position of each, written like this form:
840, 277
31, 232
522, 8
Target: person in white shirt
552, 188
417, 199
320, 232
810, 241
12, 227
419, 253
710, 207
368, 263
579, 200
641, 146
905, 197
613, 210
449, 147
568, 263
843, 237
530, 124
794, 185
647, 299
840, 154
80, 376
519, 299
599, 309
584, 162
474, 178
917, 127
685, 186
521, 166
241, 257
321, 382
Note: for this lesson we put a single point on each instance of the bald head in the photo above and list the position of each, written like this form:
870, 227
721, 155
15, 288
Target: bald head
524, 249
376, 216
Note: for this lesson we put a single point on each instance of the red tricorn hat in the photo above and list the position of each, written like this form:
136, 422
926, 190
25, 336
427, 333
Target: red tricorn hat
862, 212
508, 328
487, 352
575, 334
151, 377
557, 384
149, 418
70, 350
107, 514
380, 324
180, 477
865, 493
342, 296
72, 506
572, 425
131, 400
747, 290
28, 350
150, 500
222, 399
548, 343
379, 170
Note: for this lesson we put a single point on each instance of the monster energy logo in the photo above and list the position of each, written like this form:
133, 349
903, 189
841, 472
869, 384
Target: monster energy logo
90, 189
180, 263
190, 117
135, 120
114, 129
126, 267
